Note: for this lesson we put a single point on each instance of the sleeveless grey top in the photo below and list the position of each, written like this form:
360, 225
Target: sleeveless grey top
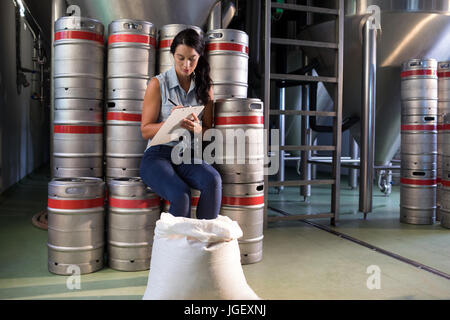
171, 89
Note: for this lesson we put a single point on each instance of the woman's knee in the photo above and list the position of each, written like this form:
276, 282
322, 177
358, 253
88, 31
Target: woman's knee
213, 180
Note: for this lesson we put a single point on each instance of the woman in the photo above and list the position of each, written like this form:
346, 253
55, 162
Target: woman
188, 84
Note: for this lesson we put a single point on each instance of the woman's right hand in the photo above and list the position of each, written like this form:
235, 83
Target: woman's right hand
175, 108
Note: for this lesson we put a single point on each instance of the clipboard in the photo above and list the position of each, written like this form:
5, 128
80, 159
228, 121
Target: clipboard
166, 133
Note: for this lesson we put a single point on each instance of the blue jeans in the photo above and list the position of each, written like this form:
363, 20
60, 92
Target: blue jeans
174, 182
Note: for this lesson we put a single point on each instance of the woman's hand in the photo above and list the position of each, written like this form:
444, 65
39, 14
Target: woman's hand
192, 125
175, 108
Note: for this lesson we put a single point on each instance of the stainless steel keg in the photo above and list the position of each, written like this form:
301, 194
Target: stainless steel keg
132, 215
75, 225
228, 55
79, 57
244, 203
240, 122
131, 58
78, 143
166, 35
419, 80
444, 81
419, 135
125, 146
418, 196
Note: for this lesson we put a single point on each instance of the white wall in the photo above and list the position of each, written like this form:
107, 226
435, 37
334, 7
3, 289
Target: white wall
24, 123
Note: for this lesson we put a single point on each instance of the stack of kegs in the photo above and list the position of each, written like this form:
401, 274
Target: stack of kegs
76, 225
131, 64
419, 90
444, 139
228, 55
78, 79
166, 35
241, 165
132, 215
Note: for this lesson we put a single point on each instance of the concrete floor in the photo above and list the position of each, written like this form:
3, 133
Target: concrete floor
300, 261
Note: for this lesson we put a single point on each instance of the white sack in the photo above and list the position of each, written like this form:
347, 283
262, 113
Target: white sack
197, 260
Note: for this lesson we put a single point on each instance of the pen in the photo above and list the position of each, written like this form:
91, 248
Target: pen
172, 102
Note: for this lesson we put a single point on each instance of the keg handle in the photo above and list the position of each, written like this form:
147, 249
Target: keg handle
216, 35
111, 105
445, 65
260, 188
133, 26
256, 106
419, 173
416, 63
429, 118
75, 190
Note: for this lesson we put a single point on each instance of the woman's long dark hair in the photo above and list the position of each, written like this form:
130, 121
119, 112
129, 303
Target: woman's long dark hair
203, 82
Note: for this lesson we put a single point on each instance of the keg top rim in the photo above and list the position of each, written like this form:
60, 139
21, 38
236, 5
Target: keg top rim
238, 99
76, 180
222, 30
132, 20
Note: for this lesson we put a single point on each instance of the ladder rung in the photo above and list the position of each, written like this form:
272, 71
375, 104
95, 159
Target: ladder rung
305, 43
307, 148
296, 7
292, 77
298, 183
303, 113
300, 217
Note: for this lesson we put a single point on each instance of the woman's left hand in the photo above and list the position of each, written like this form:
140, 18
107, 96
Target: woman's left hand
192, 125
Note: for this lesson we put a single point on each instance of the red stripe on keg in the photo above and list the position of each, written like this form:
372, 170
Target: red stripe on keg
419, 127
235, 201
439, 180
223, 121
445, 127
122, 116
78, 129
429, 182
194, 201
444, 74
165, 44
423, 72
445, 183
76, 204
132, 38
228, 47
79, 35
134, 204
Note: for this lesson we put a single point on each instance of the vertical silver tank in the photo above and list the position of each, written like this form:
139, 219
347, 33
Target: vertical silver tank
410, 29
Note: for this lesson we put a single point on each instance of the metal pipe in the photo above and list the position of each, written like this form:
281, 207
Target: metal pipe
368, 108
354, 154
58, 11
215, 17
305, 191
281, 172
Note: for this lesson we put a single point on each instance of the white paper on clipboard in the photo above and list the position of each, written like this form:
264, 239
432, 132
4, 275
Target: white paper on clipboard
166, 133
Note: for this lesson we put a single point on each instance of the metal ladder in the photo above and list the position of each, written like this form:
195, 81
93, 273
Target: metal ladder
306, 80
